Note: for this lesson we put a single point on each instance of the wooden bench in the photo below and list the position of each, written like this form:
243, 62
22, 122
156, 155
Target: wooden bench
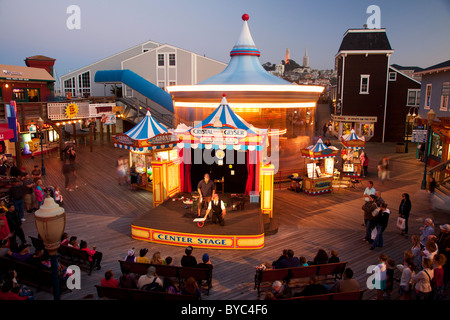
178, 272
136, 294
30, 275
77, 256
329, 271
352, 295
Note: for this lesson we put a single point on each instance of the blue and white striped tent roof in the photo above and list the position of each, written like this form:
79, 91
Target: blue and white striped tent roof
320, 146
225, 116
353, 137
146, 129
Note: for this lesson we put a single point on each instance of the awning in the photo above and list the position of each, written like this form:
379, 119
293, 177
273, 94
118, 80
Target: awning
319, 151
6, 133
145, 149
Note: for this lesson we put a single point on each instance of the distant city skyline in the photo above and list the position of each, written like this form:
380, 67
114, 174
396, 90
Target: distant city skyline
418, 31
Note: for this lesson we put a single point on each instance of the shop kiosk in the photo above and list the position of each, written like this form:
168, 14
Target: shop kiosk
352, 145
319, 168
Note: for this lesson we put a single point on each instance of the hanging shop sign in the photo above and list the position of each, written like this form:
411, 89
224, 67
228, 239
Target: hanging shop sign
162, 139
123, 139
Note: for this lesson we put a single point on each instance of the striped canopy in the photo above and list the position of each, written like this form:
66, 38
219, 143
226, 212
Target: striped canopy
146, 136
352, 141
146, 129
223, 117
319, 151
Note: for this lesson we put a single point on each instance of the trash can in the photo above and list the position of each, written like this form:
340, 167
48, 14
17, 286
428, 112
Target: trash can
400, 147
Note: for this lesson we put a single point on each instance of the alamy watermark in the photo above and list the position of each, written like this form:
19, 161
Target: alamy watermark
73, 22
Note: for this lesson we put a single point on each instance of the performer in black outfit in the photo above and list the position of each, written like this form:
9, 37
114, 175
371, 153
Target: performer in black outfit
206, 190
218, 210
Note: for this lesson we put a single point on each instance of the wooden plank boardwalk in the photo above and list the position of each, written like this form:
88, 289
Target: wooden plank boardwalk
100, 211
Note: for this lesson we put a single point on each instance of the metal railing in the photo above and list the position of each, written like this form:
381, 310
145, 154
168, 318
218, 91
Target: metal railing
440, 172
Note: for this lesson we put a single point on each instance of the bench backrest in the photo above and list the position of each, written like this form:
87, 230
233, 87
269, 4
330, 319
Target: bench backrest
166, 271
331, 268
136, 294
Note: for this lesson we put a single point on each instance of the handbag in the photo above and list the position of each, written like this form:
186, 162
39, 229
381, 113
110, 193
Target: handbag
401, 223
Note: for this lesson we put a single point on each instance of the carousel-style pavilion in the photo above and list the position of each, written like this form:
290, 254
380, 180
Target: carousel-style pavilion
265, 100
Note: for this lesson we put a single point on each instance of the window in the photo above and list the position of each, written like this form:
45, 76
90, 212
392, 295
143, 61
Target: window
161, 85
33, 95
160, 59
436, 146
413, 97
19, 94
444, 96
69, 86
171, 59
84, 84
172, 83
392, 76
26, 95
427, 104
364, 84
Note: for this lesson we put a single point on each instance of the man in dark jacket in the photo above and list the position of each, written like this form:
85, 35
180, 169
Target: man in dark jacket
17, 196
370, 211
381, 223
15, 225
288, 262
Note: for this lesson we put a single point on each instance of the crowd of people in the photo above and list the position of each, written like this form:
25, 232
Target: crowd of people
151, 281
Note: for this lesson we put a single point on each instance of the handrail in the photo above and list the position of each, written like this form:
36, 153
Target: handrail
440, 172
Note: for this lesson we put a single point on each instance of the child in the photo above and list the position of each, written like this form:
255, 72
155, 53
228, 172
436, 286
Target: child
390, 265
303, 262
438, 278
57, 195
130, 256
416, 250
405, 280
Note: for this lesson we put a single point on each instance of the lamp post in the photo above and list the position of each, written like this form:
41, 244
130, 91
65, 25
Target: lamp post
50, 223
430, 118
407, 126
40, 124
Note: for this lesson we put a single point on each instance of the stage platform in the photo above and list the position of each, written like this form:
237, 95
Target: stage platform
172, 223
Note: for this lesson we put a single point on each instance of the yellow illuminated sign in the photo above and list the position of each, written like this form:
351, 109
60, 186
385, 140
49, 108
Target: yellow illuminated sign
71, 110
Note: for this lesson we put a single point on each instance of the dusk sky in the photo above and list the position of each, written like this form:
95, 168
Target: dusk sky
418, 30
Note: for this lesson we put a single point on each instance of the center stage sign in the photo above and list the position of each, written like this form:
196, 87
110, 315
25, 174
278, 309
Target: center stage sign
198, 240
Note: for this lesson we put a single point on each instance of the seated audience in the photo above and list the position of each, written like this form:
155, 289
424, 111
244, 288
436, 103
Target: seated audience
157, 259
109, 281
288, 262
188, 260
313, 288
281, 290
347, 283
95, 256
143, 256
127, 280
148, 278
23, 253
191, 288
333, 257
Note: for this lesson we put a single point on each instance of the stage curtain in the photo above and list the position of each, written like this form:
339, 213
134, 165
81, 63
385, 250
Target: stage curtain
250, 185
186, 168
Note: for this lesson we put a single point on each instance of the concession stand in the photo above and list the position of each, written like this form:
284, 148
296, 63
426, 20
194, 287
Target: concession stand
350, 154
154, 154
320, 168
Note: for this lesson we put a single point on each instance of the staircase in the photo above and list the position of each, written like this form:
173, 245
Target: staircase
441, 173
135, 110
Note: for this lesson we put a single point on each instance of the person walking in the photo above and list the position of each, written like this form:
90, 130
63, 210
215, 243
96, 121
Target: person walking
364, 159
370, 212
404, 210
381, 223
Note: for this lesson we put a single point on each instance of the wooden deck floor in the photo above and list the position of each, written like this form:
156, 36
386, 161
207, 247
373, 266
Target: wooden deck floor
101, 213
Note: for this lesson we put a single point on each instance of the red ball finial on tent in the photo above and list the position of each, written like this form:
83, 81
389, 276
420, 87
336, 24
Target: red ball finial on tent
245, 17
224, 95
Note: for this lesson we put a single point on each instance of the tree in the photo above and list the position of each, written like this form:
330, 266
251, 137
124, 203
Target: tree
268, 66
291, 65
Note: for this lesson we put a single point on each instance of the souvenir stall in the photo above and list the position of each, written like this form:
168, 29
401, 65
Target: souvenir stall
320, 168
350, 154
154, 154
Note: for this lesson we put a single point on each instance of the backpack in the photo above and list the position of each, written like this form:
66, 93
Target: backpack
153, 286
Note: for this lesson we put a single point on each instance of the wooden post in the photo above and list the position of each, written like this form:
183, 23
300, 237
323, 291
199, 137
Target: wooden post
91, 130
101, 132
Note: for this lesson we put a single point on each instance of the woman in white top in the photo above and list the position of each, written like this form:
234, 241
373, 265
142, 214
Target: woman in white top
422, 280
